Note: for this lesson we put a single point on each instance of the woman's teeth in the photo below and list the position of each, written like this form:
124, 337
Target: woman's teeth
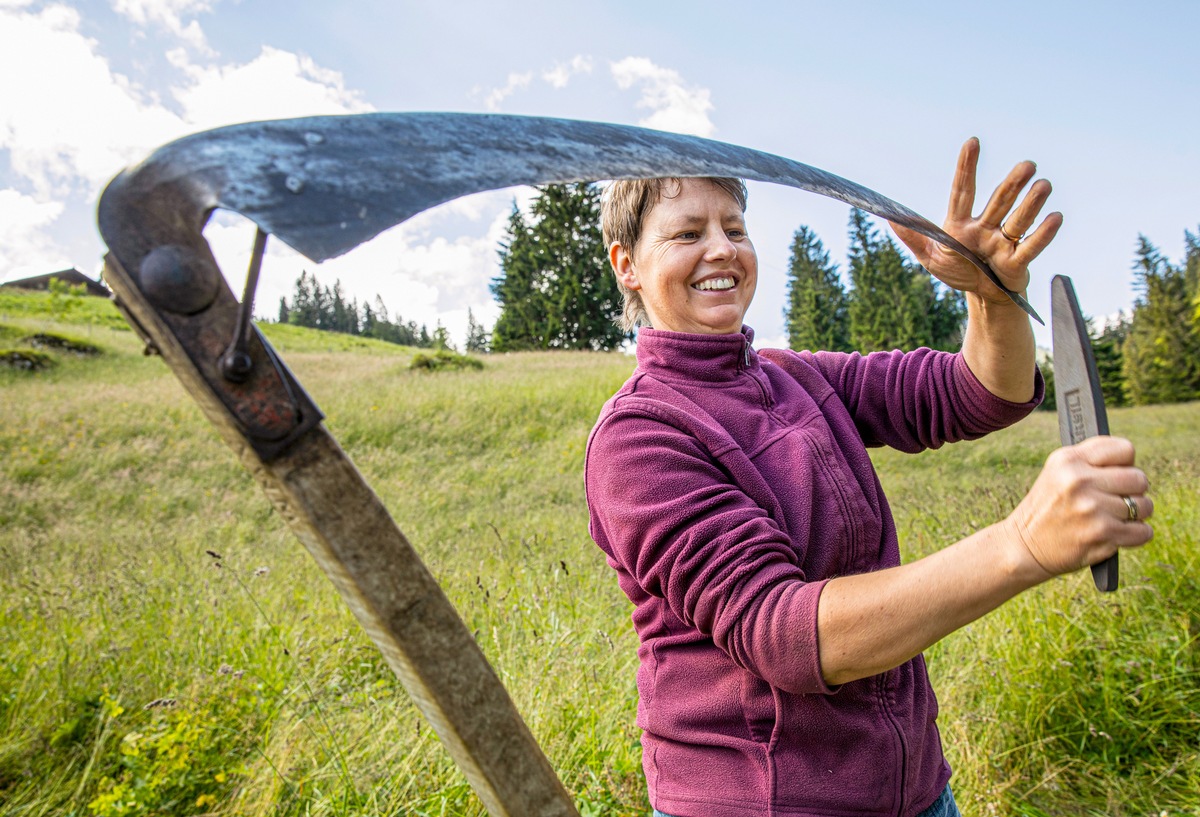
714, 283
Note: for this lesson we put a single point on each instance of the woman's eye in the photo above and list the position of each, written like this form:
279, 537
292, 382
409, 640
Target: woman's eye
689, 235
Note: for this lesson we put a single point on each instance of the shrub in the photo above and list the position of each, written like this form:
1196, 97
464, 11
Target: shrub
61, 343
444, 360
27, 360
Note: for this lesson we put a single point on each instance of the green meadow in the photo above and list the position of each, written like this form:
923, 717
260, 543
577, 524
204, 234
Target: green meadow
168, 648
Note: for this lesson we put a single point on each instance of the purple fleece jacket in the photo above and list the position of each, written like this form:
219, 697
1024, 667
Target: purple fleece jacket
726, 488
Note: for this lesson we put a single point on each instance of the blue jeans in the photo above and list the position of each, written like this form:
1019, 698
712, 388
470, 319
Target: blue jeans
944, 806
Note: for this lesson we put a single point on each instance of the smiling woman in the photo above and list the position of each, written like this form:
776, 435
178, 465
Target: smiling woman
683, 260
781, 637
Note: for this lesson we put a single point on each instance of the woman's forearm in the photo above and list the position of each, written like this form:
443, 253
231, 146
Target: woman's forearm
872, 622
999, 348
1077, 513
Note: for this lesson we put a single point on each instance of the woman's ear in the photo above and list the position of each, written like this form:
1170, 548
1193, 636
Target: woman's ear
622, 264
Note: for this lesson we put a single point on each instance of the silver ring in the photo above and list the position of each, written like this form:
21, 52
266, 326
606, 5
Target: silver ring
1133, 508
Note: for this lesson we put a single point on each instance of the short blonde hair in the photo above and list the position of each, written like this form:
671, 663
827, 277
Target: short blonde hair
623, 211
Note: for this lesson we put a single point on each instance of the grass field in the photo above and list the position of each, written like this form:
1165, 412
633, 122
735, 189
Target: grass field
169, 648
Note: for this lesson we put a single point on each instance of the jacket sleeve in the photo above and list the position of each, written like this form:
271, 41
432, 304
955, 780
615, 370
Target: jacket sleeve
911, 400
673, 523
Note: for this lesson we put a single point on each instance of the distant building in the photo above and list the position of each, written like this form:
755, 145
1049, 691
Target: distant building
71, 276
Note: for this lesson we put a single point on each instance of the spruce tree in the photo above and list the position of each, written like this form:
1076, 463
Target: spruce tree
1191, 272
304, 311
816, 315
1107, 349
441, 338
477, 336
583, 298
947, 317
555, 290
517, 290
889, 307
1162, 351
895, 303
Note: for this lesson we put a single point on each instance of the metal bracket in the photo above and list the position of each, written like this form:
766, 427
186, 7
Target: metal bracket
269, 407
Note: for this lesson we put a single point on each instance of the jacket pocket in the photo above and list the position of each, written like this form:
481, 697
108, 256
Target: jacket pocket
758, 707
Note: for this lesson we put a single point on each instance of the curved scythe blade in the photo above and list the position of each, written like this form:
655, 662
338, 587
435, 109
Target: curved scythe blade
324, 185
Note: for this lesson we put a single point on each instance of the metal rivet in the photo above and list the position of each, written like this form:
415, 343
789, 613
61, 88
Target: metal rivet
294, 183
177, 279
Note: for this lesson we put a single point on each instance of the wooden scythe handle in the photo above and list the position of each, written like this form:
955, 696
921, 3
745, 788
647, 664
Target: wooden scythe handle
332, 510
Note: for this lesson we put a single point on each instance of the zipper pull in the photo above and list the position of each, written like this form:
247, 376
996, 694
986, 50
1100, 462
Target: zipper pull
746, 354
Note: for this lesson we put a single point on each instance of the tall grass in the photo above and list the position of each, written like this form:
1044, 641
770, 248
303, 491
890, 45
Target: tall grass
169, 648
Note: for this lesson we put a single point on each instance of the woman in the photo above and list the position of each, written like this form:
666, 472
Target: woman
781, 638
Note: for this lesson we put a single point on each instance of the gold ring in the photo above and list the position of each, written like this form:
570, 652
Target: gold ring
1015, 240
1133, 508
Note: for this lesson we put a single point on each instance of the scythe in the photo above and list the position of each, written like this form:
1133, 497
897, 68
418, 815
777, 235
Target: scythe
323, 186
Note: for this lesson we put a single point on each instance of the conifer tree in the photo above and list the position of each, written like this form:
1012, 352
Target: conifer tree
816, 315
1107, 349
555, 290
1191, 272
477, 337
895, 303
583, 298
441, 338
517, 290
1162, 351
882, 309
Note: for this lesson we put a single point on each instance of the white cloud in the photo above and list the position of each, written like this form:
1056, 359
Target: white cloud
69, 121
168, 15
676, 106
67, 124
561, 73
25, 248
275, 85
72, 122
100, 121
515, 82
557, 77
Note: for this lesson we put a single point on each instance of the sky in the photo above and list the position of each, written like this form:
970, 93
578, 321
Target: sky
1102, 95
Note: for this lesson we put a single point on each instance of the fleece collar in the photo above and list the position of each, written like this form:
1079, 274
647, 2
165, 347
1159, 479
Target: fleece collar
682, 355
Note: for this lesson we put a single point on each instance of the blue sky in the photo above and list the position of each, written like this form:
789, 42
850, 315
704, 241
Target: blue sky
1101, 94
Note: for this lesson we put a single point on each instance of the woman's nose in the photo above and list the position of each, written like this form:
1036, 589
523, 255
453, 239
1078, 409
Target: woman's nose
719, 247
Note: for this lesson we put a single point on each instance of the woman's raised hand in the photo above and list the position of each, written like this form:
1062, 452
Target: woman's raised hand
999, 235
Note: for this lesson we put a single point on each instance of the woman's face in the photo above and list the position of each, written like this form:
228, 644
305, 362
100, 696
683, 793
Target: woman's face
694, 264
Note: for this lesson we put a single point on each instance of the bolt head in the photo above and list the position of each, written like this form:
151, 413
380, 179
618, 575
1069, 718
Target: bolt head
177, 279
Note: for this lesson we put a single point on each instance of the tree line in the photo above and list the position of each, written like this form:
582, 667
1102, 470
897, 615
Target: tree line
1150, 355
892, 302
555, 291
326, 308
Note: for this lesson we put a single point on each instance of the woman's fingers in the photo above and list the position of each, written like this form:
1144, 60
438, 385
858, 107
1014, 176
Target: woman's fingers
1132, 507
962, 190
1102, 451
1005, 196
1018, 222
1029, 249
1088, 501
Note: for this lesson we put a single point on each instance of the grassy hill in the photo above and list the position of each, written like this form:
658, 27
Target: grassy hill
169, 648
